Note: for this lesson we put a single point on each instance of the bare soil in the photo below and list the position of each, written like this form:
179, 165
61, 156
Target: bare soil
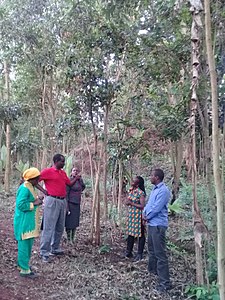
83, 272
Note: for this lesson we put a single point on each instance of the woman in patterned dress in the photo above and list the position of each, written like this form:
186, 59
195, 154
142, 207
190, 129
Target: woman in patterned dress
136, 203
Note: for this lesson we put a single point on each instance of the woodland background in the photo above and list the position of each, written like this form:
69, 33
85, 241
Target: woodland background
120, 87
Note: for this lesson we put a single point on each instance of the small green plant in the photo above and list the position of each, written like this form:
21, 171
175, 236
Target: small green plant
21, 167
174, 248
68, 164
203, 292
175, 207
104, 249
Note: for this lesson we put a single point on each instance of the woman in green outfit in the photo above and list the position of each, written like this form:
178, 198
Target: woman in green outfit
26, 219
135, 227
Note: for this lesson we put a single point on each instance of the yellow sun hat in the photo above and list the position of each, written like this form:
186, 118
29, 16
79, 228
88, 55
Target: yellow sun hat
31, 173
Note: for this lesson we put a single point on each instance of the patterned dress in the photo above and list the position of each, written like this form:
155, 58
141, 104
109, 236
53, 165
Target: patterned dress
134, 213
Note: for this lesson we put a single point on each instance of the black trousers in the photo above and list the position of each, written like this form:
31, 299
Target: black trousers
141, 242
158, 261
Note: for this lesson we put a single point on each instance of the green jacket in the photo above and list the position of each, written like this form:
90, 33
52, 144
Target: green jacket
26, 216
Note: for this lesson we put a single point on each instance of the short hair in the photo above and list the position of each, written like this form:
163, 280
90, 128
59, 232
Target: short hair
159, 173
58, 157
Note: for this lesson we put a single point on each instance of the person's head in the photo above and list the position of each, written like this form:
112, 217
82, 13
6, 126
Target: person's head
75, 171
157, 176
32, 175
59, 161
139, 182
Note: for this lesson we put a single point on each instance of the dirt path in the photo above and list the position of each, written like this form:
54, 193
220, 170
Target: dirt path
83, 273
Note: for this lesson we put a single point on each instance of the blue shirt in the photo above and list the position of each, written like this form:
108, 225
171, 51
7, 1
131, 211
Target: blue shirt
156, 210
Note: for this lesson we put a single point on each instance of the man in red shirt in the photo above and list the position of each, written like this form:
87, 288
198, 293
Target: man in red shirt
55, 180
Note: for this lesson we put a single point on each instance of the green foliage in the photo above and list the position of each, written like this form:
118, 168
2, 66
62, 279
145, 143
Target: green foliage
104, 249
176, 207
174, 248
21, 167
68, 164
203, 292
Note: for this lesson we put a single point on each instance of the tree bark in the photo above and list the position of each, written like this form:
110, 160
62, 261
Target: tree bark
215, 155
105, 163
8, 160
8, 132
200, 229
120, 180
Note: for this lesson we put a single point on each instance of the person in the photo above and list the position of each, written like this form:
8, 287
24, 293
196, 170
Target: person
156, 215
73, 204
55, 180
136, 203
26, 226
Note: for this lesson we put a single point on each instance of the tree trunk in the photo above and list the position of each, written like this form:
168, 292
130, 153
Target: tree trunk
95, 217
215, 155
105, 164
44, 152
120, 180
200, 229
178, 159
8, 160
8, 142
114, 184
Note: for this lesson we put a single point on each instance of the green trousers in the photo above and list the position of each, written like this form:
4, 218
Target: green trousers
24, 255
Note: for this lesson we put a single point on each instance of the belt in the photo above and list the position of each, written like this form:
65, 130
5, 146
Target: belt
57, 197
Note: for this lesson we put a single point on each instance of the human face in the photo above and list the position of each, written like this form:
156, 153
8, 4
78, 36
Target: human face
34, 181
60, 163
135, 182
153, 178
75, 172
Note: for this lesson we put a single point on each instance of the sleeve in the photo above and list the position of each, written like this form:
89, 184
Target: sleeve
161, 200
67, 180
43, 175
24, 202
82, 184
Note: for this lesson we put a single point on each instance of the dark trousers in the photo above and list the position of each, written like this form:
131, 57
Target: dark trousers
158, 261
141, 242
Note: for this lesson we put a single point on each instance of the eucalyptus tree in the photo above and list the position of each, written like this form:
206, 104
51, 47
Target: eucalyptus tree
216, 153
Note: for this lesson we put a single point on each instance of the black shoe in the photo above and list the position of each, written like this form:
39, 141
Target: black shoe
138, 257
30, 275
46, 259
153, 272
56, 252
128, 254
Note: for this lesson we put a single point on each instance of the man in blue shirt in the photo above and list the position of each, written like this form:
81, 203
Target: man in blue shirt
156, 215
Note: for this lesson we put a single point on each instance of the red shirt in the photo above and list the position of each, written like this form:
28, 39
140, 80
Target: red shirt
55, 181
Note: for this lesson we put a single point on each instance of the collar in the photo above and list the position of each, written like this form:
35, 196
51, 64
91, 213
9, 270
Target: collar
159, 185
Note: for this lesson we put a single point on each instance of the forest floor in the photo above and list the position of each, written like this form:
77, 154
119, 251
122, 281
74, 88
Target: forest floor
84, 272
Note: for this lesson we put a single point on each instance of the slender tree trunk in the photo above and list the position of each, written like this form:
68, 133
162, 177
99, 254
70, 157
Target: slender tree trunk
8, 132
120, 179
114, 184
199, 227
44, 152
91, 163
105, 163
215, 154
95, 217
8, 158
63, 145
178, 159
